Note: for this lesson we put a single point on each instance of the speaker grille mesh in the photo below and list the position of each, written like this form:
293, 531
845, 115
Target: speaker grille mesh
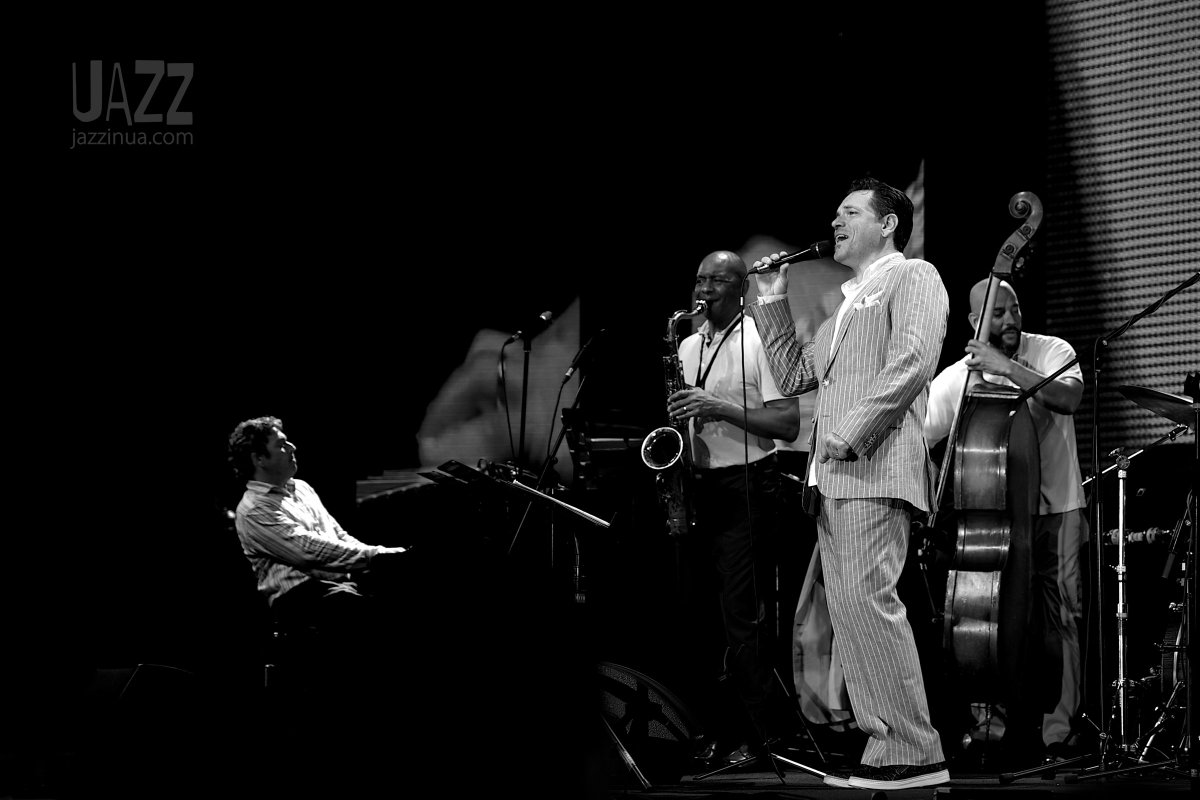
636, 704
1123, 190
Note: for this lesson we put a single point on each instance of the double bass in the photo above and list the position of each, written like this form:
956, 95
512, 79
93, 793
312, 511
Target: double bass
993, 455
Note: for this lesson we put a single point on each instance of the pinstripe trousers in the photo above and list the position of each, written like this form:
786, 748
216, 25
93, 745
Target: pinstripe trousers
864, 543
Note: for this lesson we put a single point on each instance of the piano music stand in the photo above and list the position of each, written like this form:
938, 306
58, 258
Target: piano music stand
458, 472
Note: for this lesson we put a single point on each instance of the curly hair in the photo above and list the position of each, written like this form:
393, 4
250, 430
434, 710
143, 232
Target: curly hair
886, 200
250, 438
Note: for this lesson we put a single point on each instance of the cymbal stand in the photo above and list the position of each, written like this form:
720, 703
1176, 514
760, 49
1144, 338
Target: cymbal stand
1184, 764
1121, 685
1121, 708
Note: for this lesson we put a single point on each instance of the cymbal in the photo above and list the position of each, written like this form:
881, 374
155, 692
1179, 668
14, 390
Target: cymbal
1175, 407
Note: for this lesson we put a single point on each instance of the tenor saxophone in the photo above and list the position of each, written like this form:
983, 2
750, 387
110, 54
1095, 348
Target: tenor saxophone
666, 449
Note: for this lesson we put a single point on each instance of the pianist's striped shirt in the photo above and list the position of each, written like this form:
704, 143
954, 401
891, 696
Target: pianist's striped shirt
290, 537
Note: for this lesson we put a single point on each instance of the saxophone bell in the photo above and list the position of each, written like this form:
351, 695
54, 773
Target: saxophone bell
662, 448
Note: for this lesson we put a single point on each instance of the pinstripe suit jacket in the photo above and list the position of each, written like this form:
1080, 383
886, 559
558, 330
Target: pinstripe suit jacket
872, 385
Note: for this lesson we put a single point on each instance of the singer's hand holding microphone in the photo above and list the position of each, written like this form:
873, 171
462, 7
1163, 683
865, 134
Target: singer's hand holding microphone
771, 272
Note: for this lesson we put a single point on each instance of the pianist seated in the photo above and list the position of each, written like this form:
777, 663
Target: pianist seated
308, 568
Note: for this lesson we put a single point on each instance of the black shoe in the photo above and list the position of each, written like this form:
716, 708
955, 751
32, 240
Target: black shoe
705, 753
900, 776
742, 753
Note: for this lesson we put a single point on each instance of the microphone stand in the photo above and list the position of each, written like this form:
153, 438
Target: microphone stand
551, 460
1104, 340
528, 344
1172, 435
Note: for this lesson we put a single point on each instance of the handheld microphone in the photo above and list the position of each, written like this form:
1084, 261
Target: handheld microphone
815, 250
537, 326
579, 356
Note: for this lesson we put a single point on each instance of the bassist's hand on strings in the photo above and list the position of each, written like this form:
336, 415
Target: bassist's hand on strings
984, 356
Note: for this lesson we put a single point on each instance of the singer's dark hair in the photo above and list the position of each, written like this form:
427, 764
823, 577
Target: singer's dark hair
249, 438
886, 200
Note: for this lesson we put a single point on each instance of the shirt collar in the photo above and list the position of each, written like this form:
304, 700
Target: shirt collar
264, 488
875, 269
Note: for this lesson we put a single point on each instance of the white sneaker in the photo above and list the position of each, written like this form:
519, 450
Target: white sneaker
900, 776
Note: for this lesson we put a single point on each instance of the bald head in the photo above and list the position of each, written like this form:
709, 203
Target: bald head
979, 293
1003, 327
724, 261
720, 281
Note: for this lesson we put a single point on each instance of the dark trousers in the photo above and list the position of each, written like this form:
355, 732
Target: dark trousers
729, 576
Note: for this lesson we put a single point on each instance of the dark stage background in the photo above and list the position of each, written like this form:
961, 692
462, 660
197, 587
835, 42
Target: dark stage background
353, 212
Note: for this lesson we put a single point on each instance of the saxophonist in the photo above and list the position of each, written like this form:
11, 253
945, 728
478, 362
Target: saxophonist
728, 568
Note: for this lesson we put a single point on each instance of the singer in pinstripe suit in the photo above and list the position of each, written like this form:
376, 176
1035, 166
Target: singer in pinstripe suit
870, 365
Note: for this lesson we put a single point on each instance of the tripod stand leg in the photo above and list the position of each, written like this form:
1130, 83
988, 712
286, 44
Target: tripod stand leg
1009, 777
1170, 766
772, 757
800, 716
625, 756
728, 767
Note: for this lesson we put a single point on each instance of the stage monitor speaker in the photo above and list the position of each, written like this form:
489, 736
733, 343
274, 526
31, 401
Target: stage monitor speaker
652, 724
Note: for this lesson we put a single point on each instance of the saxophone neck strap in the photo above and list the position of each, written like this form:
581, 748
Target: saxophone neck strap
724, 334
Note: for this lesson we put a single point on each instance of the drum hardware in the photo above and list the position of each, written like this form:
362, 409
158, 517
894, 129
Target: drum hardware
1124, 689
1100, 344
1148, 536
1176, 667
1120, 707
1168, 713
1171, 678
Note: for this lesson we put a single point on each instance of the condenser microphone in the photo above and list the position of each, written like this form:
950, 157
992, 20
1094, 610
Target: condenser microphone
533, 329
815, 250
580, 355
